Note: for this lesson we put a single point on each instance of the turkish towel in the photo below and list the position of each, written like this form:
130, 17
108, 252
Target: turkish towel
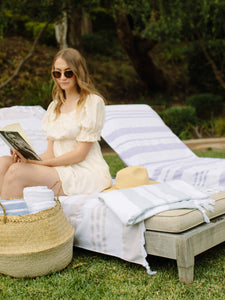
15, 207
98, 229
139, 203
141, 138
35, 199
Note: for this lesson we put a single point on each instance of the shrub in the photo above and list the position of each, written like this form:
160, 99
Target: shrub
180, 120
220, 127
206, 105
100, 42
200, 72
37, 93
12, 23
48, 36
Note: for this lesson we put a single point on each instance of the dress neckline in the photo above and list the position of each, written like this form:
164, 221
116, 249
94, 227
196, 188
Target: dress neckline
68, 113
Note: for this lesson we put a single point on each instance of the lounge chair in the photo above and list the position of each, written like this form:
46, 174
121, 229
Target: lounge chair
176, 234
140, 137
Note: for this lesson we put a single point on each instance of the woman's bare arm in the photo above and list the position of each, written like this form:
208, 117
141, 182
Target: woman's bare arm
75, 156
49, 151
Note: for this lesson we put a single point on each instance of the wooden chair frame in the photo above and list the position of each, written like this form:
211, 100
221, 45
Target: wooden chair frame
183, 247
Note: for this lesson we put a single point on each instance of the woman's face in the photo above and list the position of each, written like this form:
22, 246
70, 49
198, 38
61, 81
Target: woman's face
67, 84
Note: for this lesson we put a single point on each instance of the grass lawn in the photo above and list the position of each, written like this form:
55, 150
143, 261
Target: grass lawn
94, 276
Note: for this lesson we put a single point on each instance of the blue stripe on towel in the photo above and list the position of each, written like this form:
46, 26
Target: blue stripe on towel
15, 207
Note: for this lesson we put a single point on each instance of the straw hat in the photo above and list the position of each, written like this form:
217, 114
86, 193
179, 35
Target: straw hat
131, 177
35, 244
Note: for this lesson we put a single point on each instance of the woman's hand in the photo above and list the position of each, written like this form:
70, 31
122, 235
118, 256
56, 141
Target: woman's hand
15, 156
18, 158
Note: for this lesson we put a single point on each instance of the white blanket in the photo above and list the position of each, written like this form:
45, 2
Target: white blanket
139, 203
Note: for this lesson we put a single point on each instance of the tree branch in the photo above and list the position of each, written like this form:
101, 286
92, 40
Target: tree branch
219, 75
30, 53
138, 51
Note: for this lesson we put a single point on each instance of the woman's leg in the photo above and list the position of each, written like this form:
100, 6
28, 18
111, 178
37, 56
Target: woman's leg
5, 163
21, 175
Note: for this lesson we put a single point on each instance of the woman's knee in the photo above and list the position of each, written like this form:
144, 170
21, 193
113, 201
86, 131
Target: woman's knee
14, 173
5, 163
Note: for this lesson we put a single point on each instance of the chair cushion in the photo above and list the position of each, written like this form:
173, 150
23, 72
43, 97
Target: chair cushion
179, 220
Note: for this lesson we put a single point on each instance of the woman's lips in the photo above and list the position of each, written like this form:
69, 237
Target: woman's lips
63, 83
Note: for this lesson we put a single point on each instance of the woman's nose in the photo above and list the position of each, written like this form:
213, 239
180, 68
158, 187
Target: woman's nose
63, 76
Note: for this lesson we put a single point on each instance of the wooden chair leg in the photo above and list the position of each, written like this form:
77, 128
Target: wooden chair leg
185, 260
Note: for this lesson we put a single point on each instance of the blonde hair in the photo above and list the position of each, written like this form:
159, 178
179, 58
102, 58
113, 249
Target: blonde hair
77, 64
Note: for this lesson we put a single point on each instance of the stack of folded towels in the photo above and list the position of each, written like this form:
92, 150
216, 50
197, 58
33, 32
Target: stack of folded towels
35, 199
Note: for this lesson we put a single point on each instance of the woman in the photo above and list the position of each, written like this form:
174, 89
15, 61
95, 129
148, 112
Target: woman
73, 124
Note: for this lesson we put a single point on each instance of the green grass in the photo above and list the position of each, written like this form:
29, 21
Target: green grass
210, 153
95, 276
115, 163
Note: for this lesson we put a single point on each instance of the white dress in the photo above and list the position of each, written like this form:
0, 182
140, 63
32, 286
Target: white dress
92, 174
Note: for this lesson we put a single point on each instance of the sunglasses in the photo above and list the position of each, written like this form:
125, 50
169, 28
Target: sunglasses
67, 74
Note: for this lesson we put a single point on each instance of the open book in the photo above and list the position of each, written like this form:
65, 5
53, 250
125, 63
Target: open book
15, 137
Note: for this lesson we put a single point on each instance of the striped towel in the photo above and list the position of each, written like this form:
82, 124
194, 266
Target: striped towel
98, 229
15, 207
141, 138
139, 203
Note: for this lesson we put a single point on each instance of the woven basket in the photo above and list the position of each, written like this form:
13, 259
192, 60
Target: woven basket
35, 244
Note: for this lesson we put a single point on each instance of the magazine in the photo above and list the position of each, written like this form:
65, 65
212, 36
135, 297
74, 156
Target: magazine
15, 137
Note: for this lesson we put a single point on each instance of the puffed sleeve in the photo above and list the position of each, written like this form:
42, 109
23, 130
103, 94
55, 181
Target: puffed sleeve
92, 119
49, 115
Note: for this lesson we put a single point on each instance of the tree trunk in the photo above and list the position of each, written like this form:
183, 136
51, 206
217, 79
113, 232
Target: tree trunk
68, 30
61, 28
86, 25
74, 29
138, 49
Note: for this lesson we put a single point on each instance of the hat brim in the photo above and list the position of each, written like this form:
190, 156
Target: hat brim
114, 188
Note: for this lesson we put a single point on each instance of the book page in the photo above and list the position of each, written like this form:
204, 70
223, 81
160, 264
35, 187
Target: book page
16, 142
17, 127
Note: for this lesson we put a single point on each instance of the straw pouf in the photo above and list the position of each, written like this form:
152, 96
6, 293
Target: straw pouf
35, 244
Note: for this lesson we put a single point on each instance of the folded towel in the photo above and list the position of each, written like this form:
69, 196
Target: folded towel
15, 207
37, 194
38, 198
136, 204
34, 208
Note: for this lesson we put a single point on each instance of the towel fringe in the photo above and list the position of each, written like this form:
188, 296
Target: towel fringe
149, 271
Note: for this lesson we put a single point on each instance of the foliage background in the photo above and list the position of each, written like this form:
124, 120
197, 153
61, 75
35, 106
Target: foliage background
177, 52
91, 275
